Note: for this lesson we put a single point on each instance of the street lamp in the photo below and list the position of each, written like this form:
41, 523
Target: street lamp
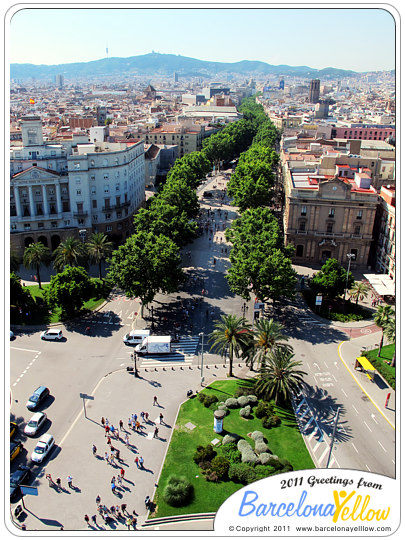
134, 358
243, 309
351, 256
201, 334
153, 323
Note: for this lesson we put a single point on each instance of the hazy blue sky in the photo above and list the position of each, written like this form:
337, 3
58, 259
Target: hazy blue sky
358, 39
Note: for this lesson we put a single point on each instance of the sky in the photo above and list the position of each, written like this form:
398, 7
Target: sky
356, 39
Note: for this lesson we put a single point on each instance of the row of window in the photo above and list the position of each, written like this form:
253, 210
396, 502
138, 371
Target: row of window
329, 227
299, 252
331, 213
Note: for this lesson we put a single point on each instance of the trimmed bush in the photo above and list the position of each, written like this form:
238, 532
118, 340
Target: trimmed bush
249, 457
271, 421
220, 466
178, 491
275, 462
286, 465
261, 447
243, 445
212, 476
241, 473
257, 435
231, 438
243, 401
223, 408
263, 471
242, 391
245, 412
252, 399
231, 403
231, 452
265, 458
207, 400
264, 409
204, 453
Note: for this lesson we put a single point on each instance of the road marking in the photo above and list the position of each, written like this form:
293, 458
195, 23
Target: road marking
367, 426
374, 418
355, 409
361, 386
368, 468
323, 454
26, 350
355, 448
344, 392
382, 446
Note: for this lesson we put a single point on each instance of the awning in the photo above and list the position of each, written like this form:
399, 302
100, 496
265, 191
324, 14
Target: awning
365, 363
382, 284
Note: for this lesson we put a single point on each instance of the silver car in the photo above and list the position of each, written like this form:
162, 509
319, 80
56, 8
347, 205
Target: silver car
35, 423
43, 447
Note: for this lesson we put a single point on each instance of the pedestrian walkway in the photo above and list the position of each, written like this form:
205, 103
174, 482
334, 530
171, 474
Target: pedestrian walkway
183, 353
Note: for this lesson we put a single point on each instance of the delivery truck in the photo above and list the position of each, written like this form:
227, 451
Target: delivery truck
155, 345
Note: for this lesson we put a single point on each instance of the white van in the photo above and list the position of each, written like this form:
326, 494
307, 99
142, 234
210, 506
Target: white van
52, 334
135, 337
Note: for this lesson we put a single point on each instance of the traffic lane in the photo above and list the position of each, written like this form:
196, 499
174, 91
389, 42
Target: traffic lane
361, 430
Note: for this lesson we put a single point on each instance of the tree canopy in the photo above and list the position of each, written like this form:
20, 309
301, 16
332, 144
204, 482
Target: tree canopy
330, 281
69, 290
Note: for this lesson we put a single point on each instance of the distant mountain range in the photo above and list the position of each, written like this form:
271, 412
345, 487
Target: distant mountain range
156, 64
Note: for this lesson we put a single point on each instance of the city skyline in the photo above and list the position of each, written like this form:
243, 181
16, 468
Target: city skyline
293, 36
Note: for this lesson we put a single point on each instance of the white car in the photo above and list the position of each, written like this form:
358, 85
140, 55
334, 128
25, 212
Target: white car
35, 423
42, 448
52, 334
135, 337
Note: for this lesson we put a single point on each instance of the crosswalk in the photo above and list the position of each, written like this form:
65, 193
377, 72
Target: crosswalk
182, 354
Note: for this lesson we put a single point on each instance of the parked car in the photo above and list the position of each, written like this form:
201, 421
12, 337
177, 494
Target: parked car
13, 429
43, 447
12, 336
52, 335
18, 478
41, 393
15, 449
35, 423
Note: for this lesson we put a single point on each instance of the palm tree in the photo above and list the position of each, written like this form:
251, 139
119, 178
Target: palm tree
230, 335
99, 248
389, 332
382, 318
359, 291
267, 335
14, 261
279, 375
70, 252
34, 255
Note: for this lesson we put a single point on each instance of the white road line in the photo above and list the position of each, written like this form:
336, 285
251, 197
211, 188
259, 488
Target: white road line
355, 409
382, 446
27, 350
374, 418
367, 426
323, 455
355, 448
368, 468
315, 448
344, 392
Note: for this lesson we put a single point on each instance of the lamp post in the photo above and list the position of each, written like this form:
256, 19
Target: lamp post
201, 334
333, 436
134, 358
153, 323
350, 257
243, 309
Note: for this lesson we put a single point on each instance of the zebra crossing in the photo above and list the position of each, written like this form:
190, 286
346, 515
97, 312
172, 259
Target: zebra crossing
182, 354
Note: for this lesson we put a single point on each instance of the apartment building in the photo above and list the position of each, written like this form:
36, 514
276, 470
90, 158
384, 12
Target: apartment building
188, 139
328, 216
59, 189
384, 233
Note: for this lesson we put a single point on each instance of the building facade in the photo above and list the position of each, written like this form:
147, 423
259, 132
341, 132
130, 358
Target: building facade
385, 233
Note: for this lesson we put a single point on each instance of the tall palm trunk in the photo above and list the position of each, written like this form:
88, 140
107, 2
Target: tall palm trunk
381, 345
394, 359
100, 275
230, 373
39, 277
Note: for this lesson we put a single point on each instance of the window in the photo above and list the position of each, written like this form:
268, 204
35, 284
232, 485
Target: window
95, 218
331, 212
78, 191
92, 163
299, 252
92, 177
106, 189
27, 226
357, 229
302, 225
40, 225
359, 214
117, 186
77, 180
107, 216
76, 165
329, 227
354, 252
93, 190
108, 228
37, 192
105, 176
94, 203
303, 210
66, 222
118, 215
54, 224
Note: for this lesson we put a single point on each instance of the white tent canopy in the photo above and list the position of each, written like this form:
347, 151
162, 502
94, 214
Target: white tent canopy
382, 284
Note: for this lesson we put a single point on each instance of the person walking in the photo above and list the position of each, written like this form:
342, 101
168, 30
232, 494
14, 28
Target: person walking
121, 425
59, 483
49, 478
103, 421
126, 440
123, 508
107, 431
155, 400
134, 522
106, 457
136, 460
141, 462
156, 433
94, 519
113, 487
122, 472
146, 417
94, 450
112, 460
98, 500
70, 481
160, 418
128, 522
87, 519
147, 502
109, 441
119, 480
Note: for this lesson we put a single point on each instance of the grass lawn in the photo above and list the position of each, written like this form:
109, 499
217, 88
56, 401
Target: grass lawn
380, 363
285, 441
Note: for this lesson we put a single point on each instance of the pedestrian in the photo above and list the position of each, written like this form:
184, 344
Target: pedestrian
117, 455
155, 400
136, 460
156, 432
134, 423
107, 423
94, 450
49, 478
160, 418
143, 416
98, 500
128, 522
107, 431
59, 483
121, 425
129, 422
119, 480
141, 462
86, 519
113, 487
23, 527
109, 441
112, 430
70, 481
106, 457
122, 472
94, 519
147, 502
112, 460
134, 522
146, 417
123, 508
126, 440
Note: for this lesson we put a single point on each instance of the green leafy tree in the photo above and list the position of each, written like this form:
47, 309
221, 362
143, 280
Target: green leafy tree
19, 297
69, 290
267, 335
34, 256
193, 167
14, 261
331, 279
251, 184
70, 252
99, 248
145, 265
389, 332
179, 194
359, 291
279, 376
382, 319
231, 334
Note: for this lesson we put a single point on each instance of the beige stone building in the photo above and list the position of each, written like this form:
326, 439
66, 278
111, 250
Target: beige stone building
187, 139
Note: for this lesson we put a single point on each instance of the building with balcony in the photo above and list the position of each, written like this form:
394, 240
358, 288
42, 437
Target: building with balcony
58, 189
384, 233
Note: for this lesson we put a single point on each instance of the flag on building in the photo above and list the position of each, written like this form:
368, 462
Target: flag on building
32, 101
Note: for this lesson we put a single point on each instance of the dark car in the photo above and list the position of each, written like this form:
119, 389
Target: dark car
207, 194
18, 478
41, 393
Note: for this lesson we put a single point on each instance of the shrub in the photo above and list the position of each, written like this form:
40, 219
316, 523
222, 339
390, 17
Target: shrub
271, 421
286, 465
275, 462
231, 438
231, 403
241, 473
207, 400
243, 445
262, 471
252, 399
223, 408
243, 401
265, 458
257, 435
264, 409
261, 447
212, 476
204, 453
249, 457
242, 391
245, 412
205, 465
178, 491
231, 452
220, 466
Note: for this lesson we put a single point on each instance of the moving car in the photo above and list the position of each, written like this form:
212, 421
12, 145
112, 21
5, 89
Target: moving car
135, 337
15, 449
155, 345
18, 478
52, 335
37, 397
35, 423
13, 429
43, 447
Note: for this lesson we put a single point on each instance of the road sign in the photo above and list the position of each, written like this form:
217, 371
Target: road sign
29, 490
318, 301
86, 396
